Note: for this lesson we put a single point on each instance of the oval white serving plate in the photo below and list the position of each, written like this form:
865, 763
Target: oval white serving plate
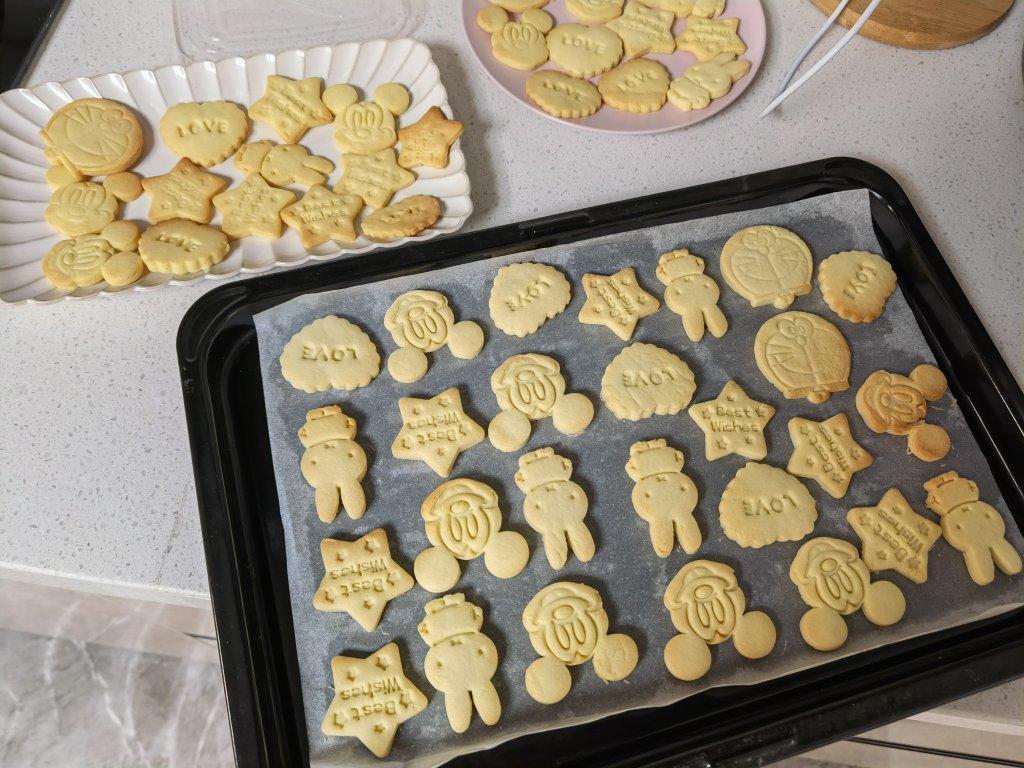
25, 237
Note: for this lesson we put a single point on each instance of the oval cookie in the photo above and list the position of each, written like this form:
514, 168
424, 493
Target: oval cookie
562, 95
763, 504
180, 247
638, 85
644, 380
405, 218
766, 264
525, 296
331, 352
803, 355
584, 51
856, 284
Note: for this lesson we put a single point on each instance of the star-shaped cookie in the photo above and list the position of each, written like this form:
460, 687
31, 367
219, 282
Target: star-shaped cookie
706, 38
733, 423
427, 141
895, 536
435, 431
184, 192
360, 578
291, 107
826, 452
375, 178
616, 301
253, 208
322, 215
372, 697
644, 30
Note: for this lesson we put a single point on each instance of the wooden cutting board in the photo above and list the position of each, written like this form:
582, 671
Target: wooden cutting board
924, 24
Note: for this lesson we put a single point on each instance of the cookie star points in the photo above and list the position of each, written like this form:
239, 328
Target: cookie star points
323, 215
427, 141
435, 431
644, 30
617, 302
894, 536
253, 208
184, 192
291, 107
375, 178
825, 451
733, 423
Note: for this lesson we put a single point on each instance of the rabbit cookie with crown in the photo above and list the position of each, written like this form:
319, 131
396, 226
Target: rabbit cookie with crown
664, 496
691, 294
333, 462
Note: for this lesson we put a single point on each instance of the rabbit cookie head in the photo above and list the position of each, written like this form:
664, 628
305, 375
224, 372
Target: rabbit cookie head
829, 572
448, 617
678, 264
566, 621
544, 477
704, 598
327, 423
653, 457
365, 127
531, 384
965, 519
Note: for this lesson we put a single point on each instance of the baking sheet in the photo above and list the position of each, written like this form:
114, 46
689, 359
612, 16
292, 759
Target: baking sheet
630, 577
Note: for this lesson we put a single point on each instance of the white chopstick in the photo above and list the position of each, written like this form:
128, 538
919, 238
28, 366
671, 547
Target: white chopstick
850, 34
810, 46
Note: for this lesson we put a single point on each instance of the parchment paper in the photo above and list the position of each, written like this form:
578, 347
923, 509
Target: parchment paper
630, 577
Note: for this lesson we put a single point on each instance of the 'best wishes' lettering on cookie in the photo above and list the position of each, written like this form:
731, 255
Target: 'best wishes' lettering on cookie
435, 431
733, 423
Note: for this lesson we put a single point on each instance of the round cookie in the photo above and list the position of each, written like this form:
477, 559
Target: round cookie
928, 442
125, 186
93, 137
823, 629
637, 85
540, 19
466, 339
856, 284
123, 235
123, 268
548, 681
755, 635
572, 413
584, 51
491, 18
436, 570
506, 555
509, 431
615, 657
407, 364
687, 657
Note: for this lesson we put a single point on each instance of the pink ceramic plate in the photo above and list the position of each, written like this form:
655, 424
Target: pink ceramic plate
751, 30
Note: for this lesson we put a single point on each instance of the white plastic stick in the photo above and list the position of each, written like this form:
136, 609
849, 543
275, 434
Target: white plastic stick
810, 47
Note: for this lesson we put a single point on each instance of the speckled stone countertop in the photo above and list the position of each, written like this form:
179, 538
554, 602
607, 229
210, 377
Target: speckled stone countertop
95, 473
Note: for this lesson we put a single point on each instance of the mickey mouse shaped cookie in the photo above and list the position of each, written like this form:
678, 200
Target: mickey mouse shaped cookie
421, 322
691, 294
568, 626
365, 127
333, 463
897, 405
664, 496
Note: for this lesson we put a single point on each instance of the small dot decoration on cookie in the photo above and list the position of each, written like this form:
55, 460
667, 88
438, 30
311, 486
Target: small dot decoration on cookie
365, 127
562, 95
520, 45
645, 380
663, 496
360, 578
644, 30
594, 11
333, 463
766, 264
555, 506
329, 353
763, 504
826, 452
184, 192
524, 296
708, 607
291, 107
92, 137
420, 322
637, 85
568, 626
856, 284
182, 247
706, 38
972, 526
803, 355
733, 423
78, 262
427, 141
390, 699
462, 520
461, 660
532, 385
691, 294
894, 536
375, 177
207, 133
282, 164
253, 208
584, 51
406, 218
897, 405
123, 268
80, 208
323, 215
835, 582
702, 83
435, 431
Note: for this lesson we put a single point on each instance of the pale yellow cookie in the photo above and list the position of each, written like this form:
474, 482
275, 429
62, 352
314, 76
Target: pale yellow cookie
125, 186
803, 355
706, 38
420, 319
365, 127
717, 74
644, 380
644, 30
519, 45
680, 8
375, 178
461, 660
282, 164
329, 353
207, 134
594, 11
663, 496
253, 208
894, 536
555, 506
615, 657
80, 208
524, 296
123, 268
766, 264
542, 20
691, 294
825, 451
547, 680
93, 137
572, 413
291, 107
491, 18
323, 215
123, 235
387, 698
687, 657
427, 141
184, 192
180, 247
584, 51
509, 431
856, 284
466, 339
707, 9
733, 423
408, 364
637, 85
763, 504
518, 6
435, 431
687, 95
78, 262
58, 175
360, 578
333, 463
533, 385
406, 218
928, 442
896, 404
562, 95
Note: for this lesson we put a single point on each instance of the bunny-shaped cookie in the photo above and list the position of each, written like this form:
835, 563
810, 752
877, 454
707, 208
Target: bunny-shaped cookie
333, 463
664, 496
691, 294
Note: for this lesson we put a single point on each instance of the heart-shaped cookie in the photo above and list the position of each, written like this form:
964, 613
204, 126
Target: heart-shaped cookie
207, 133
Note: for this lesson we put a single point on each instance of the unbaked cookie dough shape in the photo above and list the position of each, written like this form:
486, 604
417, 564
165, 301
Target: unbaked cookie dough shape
763, 504
462, 521
644, 380
568, 626
555, 506
663, 496
524, 296
897, 405
360, 578
708, 607
835, 582
617, 302
435, 431
766, 264
333, 462
972, 526
894, 536
825, 451
691, 294
421, 321
461, 660
803, 355
733, 423
329, 353
856, 284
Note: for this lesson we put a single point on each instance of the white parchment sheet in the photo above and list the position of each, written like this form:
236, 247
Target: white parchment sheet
630, 577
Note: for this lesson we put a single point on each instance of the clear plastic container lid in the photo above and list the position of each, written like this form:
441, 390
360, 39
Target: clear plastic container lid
221, 28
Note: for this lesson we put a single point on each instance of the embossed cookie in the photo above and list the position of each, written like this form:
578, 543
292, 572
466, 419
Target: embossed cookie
518, 6
360, 578
329, 353
638, 85
762, 505
701, 83
856, 284
491, 18
375, 178
181, 247
427, 141
365, 127
825, 451
894, 536
708, 607
663, 496
733, 423
617, 302
125, 186
532, 386
707, 9
406, 218
803, 355
253, 208
584, 51
519, 45
594, 11
207, 133
706, 38
897, 405
291, 107
80, 208
184, 192
333, 463
644, 380
691, 294
92, 137
78, 262
555, 506
680, 8
524, 296
322, 215
123, 268
562, 95
644, 30
766, 264
282, 164
420, 322
385, 699
435, 431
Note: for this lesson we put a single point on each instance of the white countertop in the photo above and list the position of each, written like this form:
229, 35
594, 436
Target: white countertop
96, 480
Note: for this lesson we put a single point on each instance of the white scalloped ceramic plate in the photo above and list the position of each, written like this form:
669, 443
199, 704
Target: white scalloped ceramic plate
25, 238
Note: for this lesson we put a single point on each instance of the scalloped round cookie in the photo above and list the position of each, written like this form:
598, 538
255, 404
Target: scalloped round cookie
526, 295
562, 95
763, 504
584, 51
330, 353
856, 284
595, 11
645, 380
637, 85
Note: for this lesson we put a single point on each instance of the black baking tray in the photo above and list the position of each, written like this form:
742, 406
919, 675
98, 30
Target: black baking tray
728, 726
